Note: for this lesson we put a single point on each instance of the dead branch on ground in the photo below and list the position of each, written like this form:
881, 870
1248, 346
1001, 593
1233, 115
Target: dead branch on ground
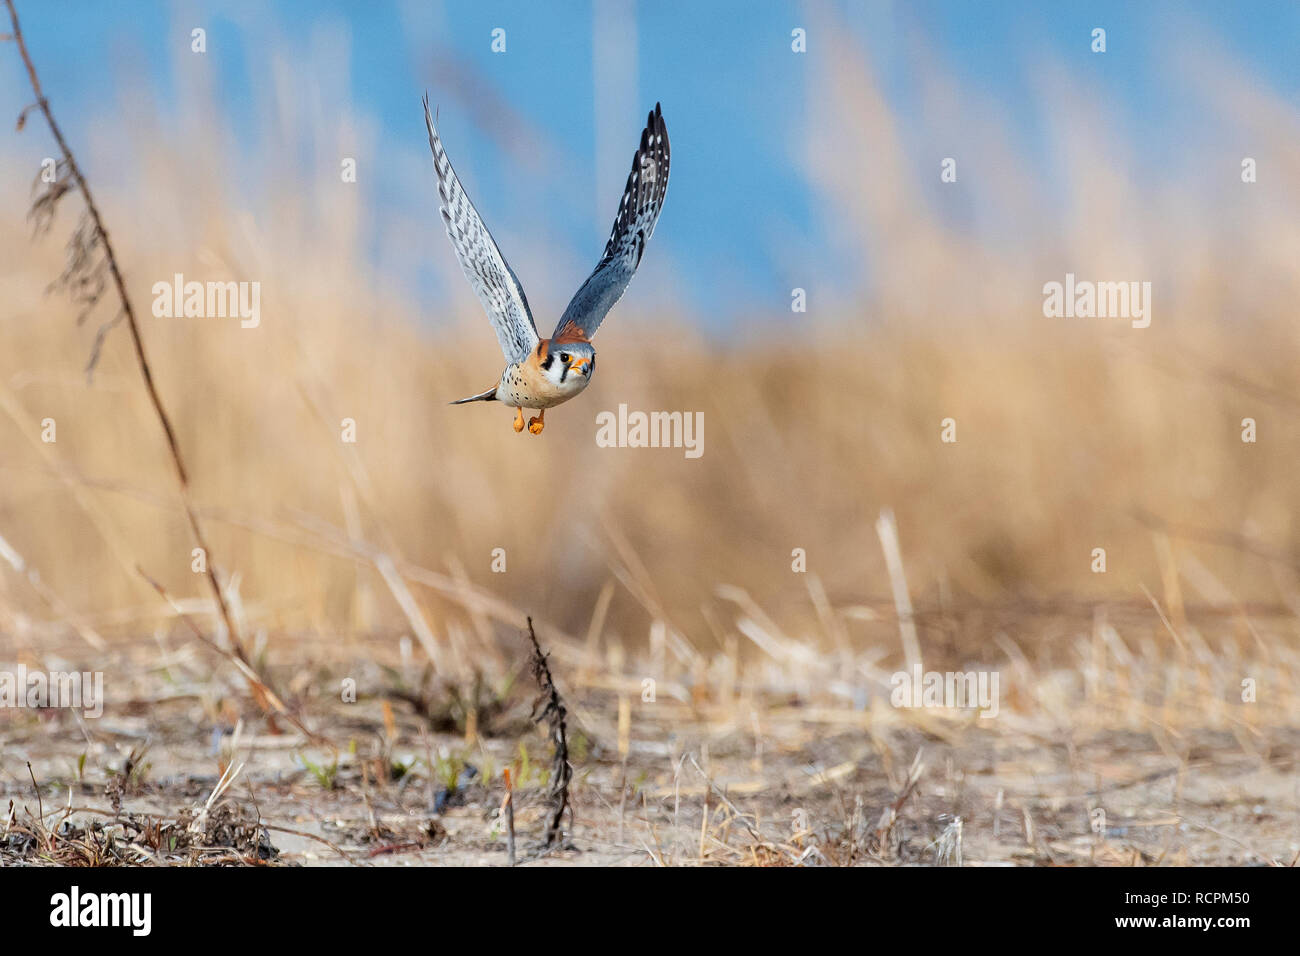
550, 707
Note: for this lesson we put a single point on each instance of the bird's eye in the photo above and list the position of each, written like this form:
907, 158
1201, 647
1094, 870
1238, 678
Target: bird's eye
564, 357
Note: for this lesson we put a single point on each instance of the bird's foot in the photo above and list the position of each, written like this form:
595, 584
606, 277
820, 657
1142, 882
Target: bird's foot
535, 425
519, 419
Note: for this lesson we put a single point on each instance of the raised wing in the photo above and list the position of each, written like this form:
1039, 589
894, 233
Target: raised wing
493, 280
638, 212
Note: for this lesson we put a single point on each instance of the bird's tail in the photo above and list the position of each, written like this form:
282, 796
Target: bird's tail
487, 396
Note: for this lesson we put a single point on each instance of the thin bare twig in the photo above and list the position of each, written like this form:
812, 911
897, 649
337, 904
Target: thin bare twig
744, 818
265, 695
128, 313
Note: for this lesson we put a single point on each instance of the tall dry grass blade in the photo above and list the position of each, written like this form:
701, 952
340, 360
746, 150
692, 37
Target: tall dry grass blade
52, 600
406, 601
887, 531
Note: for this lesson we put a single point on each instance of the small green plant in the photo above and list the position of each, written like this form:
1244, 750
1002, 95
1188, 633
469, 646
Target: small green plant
447, 770
487, 766
134, 772
579, 747
525, 765
326, 776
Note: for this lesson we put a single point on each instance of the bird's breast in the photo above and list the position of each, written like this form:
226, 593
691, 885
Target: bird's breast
525, 385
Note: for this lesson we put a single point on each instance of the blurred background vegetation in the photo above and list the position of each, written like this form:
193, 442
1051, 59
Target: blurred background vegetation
1073, 434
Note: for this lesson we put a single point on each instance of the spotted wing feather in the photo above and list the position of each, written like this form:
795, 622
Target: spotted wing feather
493, 280
638, 211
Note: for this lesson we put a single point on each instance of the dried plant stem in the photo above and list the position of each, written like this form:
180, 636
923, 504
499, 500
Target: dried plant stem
726, 802
550, 707
128, 311
265, 695
52, 600
624, 747
887, 530
508, 807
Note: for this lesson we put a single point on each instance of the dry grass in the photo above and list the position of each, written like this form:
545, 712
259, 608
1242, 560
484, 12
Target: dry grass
1072, 435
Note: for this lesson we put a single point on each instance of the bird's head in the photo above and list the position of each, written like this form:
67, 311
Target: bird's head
568, 364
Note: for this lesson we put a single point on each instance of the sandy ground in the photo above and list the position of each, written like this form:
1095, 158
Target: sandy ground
786, 783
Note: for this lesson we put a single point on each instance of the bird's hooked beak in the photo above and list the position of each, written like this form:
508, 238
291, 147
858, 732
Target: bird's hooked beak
580, 365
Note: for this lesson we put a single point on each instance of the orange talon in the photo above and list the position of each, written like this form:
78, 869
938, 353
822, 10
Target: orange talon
519, 419
535, 425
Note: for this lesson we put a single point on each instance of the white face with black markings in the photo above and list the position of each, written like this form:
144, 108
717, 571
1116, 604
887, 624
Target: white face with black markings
568, 367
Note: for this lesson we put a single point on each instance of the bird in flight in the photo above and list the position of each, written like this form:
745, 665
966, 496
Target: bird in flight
541, 373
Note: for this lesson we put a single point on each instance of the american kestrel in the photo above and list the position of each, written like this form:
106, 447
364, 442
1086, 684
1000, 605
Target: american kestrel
541, 373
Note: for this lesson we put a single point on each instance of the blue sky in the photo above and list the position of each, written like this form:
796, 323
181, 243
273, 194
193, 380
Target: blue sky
733, 95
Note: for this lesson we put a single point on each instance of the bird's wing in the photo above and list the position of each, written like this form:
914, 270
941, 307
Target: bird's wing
638, 212
494, 282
